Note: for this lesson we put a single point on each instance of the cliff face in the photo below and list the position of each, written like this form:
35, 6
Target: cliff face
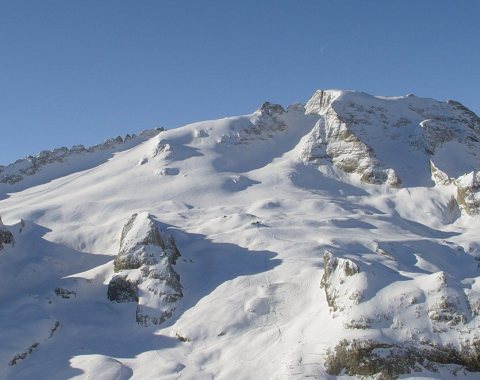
398, 142
468, 192
144, 271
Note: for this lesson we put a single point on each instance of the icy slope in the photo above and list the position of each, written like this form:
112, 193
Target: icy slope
313, 242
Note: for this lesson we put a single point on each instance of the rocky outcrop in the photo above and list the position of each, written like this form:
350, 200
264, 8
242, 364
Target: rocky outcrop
392, 141
474, 302
266, 123
418, 314
262, 125
164, 150
438, 176
445, 306
468, 192
389, 361
23, 355
337, 282
271, 110
144, 271
120, 289
30, 165
334, 141
6, 237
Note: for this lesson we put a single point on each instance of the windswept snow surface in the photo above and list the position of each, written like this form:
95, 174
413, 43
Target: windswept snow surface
252, 218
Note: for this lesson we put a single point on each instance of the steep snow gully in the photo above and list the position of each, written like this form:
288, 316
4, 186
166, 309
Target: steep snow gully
335, 239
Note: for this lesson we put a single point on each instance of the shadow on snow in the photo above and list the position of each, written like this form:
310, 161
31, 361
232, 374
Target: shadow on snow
89, 323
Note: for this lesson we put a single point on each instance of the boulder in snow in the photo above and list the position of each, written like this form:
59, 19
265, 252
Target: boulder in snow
144, 271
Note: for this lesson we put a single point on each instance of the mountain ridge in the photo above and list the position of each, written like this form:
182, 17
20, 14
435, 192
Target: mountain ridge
331, 239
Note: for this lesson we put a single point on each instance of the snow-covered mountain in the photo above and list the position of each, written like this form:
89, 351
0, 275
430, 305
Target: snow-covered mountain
333, 239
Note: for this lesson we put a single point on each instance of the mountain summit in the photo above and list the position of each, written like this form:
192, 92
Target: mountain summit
335, 238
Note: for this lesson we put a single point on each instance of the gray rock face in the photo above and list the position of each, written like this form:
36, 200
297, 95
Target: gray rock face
422, 315
438, 176
404, 141
144, 271
445, 307
335, 280
271, 109
468, 192
334, 141
122, 290
6, 237
133, 251
267, 123
389, 361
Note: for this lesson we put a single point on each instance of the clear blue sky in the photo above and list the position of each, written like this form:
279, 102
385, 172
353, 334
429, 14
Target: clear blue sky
81, 71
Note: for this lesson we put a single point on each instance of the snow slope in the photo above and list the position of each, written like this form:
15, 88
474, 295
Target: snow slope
301, 232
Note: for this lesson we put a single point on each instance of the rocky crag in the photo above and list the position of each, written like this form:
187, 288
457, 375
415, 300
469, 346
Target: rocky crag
6, 237
144, 271
433, 318
398, 142
31, 165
